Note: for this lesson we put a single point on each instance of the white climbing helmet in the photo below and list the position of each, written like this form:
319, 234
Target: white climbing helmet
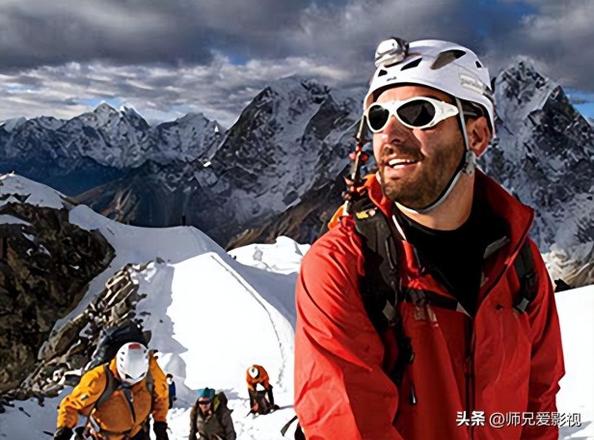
132, 362
442, 65
253, 372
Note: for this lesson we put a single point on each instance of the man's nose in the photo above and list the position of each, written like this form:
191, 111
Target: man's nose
394, 131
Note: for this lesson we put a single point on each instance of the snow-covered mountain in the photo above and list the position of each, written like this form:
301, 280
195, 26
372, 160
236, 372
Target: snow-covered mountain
211, 314
293, 138
278, 169
99, 146
544, 154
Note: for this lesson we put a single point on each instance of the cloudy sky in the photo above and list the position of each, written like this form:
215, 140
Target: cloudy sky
169, 57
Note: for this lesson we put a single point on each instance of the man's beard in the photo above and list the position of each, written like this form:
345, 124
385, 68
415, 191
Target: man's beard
423, 187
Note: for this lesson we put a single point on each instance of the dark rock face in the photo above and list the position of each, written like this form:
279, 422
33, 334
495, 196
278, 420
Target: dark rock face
45, 265
68, 349
303, 222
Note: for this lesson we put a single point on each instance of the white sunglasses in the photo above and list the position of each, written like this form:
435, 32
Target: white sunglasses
418, 112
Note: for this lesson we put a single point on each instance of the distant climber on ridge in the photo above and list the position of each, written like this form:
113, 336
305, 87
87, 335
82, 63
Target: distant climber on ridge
210, 418
259, 388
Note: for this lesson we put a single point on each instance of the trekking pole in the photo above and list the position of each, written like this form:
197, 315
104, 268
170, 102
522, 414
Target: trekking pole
359, 157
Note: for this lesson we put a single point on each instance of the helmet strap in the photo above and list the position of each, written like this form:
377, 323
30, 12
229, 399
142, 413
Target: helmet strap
466, 166
469, 156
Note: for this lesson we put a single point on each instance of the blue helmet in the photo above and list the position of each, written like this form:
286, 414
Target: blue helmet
207, 393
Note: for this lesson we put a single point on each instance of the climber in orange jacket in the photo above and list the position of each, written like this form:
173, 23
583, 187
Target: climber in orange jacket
258, 384
118, 398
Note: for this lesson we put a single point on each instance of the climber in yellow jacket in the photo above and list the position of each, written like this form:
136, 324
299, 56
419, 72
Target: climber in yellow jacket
118, 398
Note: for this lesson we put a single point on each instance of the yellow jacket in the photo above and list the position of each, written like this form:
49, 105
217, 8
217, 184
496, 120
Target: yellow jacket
114, 416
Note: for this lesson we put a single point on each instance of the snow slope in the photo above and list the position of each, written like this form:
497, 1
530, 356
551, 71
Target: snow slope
211, 317
284, 256
13, 185
209, 324
576, 315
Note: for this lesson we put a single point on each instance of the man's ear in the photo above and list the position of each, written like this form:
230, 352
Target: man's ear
479, 135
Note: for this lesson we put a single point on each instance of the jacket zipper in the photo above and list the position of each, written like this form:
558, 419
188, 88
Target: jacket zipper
469, 367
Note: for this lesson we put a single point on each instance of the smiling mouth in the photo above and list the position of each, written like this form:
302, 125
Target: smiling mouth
397, 163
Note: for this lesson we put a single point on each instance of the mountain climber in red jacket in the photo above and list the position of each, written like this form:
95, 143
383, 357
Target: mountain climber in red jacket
435, 327
260, 390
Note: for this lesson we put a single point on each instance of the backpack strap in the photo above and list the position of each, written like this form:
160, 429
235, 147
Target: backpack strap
380, 286
110, 386
524, 265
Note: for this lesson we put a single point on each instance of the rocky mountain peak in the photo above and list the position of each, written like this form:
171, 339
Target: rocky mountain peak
519, 90
541, 133
105, 108
12, 124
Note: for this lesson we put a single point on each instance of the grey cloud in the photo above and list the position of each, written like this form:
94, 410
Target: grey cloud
166, 58
219, 90
560, 36
35, 33
340, 33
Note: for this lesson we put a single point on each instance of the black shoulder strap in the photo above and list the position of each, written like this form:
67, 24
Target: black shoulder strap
524, 265
110, 386
380, 287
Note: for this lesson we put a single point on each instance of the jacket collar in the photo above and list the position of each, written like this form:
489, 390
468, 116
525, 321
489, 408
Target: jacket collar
516, 216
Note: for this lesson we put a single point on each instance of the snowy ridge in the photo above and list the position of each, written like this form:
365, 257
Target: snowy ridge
574, 265
11, 124
31, 192
283, 256
528, 92
211, 317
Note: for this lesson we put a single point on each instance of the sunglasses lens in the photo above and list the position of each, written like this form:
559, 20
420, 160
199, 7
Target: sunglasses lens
203, 402
377, 117
417, 113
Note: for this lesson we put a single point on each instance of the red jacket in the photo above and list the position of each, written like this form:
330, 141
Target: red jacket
262, 378
499, 361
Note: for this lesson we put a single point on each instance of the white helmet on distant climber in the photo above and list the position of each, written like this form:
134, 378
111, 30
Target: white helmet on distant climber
132, 362
253, 372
